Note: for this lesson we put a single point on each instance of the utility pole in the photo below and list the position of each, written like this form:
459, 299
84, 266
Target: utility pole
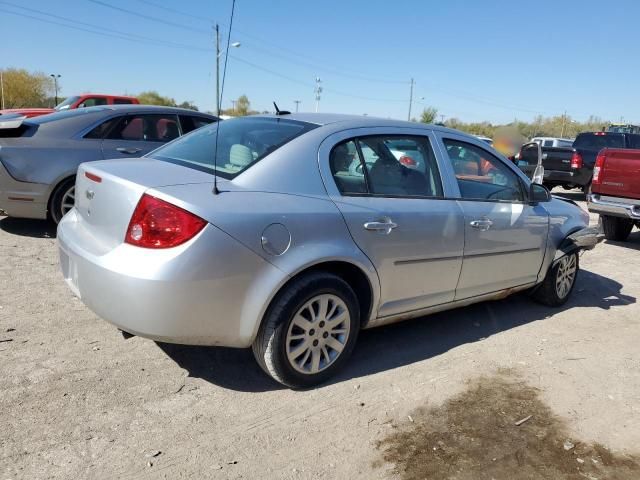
564, 120
441, 118
217, 71
2, 88
410, 100
233, 102
55, 86
297, 102
318, 91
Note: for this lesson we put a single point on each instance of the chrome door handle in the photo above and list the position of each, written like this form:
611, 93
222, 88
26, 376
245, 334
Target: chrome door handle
384, 226
483, 224
128, 150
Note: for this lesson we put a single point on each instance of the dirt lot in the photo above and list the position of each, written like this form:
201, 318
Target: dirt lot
432, 398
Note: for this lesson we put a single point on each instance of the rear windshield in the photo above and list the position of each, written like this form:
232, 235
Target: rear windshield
65, 114
598, 141
241, 143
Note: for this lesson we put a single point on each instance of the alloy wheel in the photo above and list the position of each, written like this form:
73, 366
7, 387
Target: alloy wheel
318, 334
68, 200
566, 275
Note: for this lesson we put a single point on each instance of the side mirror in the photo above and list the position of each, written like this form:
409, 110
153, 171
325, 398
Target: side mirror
538, 175
538, 193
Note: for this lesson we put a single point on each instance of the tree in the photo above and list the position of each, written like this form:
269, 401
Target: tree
188, 104
243, 105
24, 89
428, 115
152, 97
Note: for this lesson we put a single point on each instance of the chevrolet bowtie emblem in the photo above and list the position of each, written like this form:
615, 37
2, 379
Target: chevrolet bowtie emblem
89, 194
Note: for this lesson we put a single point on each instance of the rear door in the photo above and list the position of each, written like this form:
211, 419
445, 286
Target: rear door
397, 213
138, 134
505, 237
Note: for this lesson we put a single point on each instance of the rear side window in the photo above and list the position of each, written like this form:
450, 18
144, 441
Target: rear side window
241, 143
599, 140
388, 165
101, 130
122, 101
146, 128
190, 123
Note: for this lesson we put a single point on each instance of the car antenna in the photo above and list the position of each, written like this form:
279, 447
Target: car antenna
219, 101
280, 112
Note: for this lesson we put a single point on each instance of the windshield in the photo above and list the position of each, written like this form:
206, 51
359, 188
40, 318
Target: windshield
241, 143
66, 114
67, 103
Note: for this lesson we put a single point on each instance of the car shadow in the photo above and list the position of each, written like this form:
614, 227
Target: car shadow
404, 343
633, 242
28, 228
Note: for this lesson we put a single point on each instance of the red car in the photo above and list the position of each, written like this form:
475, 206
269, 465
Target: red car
76, 101
615, 191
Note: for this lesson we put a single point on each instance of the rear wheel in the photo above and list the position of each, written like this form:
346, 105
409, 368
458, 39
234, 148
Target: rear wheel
62, 199
559, 282
616, 228
309, 331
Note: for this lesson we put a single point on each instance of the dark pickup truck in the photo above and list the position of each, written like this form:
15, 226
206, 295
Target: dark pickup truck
573, 167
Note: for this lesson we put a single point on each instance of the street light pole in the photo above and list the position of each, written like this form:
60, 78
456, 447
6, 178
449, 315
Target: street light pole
297, 102
318, 91
55, 86
217, 71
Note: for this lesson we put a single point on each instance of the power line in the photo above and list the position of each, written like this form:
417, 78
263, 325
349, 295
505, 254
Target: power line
99, 29
173, 10
149, 17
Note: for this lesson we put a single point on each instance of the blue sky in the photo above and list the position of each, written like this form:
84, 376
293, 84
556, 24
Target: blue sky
474, 60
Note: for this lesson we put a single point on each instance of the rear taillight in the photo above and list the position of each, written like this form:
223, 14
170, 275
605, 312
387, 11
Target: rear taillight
408, 161
159, 224
597, 168
576, 160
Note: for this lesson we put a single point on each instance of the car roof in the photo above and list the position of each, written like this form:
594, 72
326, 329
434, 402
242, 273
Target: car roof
354, 121
138, 107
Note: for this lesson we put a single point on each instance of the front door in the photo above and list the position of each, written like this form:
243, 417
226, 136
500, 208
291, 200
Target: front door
137, 135
389, 192
505, 236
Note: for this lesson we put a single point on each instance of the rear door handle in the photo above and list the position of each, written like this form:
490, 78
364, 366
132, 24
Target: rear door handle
483, 224
128, 150
385, 226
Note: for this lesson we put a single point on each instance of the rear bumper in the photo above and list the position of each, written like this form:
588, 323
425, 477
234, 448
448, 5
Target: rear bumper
22, 199
614, 206
580, 177
208, 291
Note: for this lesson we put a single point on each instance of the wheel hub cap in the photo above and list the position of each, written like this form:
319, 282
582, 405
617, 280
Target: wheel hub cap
565, 275
318, 334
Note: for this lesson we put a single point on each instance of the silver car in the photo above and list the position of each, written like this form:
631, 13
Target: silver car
262, 235
39, 156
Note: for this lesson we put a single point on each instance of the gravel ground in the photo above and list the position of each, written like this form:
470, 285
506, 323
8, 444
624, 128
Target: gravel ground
80, 401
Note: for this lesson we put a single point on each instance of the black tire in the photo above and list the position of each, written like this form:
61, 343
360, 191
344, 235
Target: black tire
270, 345
616, 228
547, 292
55, 202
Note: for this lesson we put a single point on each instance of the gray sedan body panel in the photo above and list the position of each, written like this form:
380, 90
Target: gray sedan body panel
31, 166
283, 215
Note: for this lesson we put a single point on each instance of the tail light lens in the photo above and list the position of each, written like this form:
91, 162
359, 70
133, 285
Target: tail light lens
597, 168
576, 160
408, 161
159, 224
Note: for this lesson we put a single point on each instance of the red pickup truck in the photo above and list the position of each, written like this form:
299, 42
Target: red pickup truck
615, 191
76, 101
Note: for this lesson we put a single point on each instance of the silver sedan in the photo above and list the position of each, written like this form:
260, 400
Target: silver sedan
264, 235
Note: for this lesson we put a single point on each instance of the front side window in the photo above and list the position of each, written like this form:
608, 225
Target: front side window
481, 175
146, 128
93, 102
387, 165
241, 143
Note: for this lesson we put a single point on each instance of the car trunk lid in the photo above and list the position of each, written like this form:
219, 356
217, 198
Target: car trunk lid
107, 193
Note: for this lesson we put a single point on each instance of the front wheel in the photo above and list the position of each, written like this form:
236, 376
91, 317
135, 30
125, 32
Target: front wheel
63, 199
309, 331
559, 282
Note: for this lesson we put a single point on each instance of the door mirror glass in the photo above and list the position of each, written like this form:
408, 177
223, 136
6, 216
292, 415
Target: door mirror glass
538, 175
539, 193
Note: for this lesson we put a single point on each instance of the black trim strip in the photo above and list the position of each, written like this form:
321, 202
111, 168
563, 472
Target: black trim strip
493, 254
425, 260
